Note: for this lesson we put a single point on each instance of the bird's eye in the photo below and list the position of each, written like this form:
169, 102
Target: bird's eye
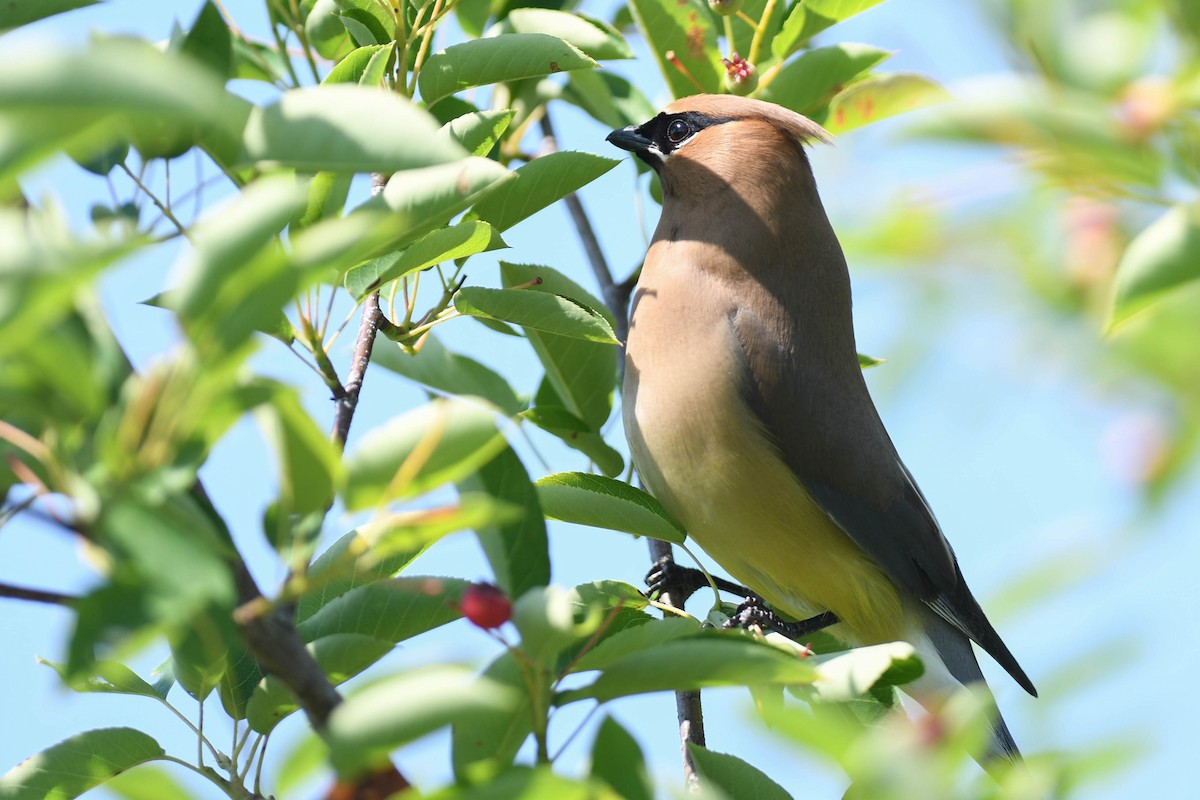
678, 130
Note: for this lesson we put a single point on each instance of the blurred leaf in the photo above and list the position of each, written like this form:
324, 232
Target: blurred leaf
618, 761
808, 18
527, 783
327, 194
419, 200
489, 741
147, 783
17, 13
811, 80
686, 30
633, 639
593, 37
582, 373
576, 434
540, 311
545, 618
610, 99
200, 653
1164, 256
325, 31
108, 677
438, 443
394, 534
508, 57
408, 706
517, 547
255, 61
734, 776
881, 96
435, 247
538, 184
695, 663
309, 464
325, 128
42, 266
437, 367
235, 281
842, 677
241, 678
478, 131
340, 656
607, 503
866, 362
209, 42
75, 765
368, 21
304, 760
390, 610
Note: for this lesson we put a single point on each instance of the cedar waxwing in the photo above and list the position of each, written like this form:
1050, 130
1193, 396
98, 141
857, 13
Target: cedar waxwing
746, 409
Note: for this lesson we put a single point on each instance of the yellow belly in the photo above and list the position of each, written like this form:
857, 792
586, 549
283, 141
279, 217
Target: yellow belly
702, 453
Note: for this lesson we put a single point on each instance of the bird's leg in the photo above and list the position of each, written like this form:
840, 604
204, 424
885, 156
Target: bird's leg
680, 583
753, 611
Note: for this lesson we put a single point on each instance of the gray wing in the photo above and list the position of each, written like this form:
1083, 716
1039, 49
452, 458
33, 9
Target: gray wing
821, 417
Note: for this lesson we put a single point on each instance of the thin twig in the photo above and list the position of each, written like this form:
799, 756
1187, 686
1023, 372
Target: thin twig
37, 595
348, 401
166, 212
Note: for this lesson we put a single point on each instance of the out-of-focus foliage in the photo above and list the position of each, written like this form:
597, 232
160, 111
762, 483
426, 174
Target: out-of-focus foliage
448, 126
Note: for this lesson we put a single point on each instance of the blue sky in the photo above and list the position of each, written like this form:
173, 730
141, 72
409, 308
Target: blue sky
990, 402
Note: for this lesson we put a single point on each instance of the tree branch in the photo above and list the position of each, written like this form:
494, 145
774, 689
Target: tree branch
37, 595
347, 401
617, 297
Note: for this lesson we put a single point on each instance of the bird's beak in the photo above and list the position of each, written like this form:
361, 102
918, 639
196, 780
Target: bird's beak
629, 139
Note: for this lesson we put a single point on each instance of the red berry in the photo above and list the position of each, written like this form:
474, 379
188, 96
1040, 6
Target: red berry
486, 605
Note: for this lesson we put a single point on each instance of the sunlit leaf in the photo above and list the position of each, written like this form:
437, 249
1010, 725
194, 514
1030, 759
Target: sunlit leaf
809, 18
71, 767
736, 777
812, 79
539, 311
879, 97
576, 434
540, 183
508, 57
683, 31
435, 247
479, 131
437, 367
1165, 256
593, 37
618, 761
606, 503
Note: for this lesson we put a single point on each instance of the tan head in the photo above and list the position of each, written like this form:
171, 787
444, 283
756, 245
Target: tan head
734, 140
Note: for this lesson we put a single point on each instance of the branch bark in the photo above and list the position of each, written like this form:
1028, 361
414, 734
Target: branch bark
37, 595
616, 297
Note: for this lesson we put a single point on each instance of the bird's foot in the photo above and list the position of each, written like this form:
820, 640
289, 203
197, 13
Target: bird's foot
670, 579
754, 612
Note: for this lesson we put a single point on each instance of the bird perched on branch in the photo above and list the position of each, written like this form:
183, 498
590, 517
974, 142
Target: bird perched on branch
746, 409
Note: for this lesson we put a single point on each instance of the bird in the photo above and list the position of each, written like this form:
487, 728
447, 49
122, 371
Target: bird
745, 406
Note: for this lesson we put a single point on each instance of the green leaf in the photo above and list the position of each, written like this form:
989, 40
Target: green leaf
325, 32
108, 677
879, 97
435, 247
538, 311
734, 776
695, 663
618, 761
842, 677
743, 35
810, 17
404, 532
607, 503
235, 281
576, 434
593, 37
508, 57
147, 783
209, 42
583, 374
17, 13
489, 741
353, 67
636, 638
42, 267
545, 618
810, 81
479, 131
517, 547
866, 361
419, 200
337, 128
390, 610
438, 443
1165, 256
609, 98
346, 564
540, 183
71, 767
368, 21
408, 706
309, 464
439, 368
686, 30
